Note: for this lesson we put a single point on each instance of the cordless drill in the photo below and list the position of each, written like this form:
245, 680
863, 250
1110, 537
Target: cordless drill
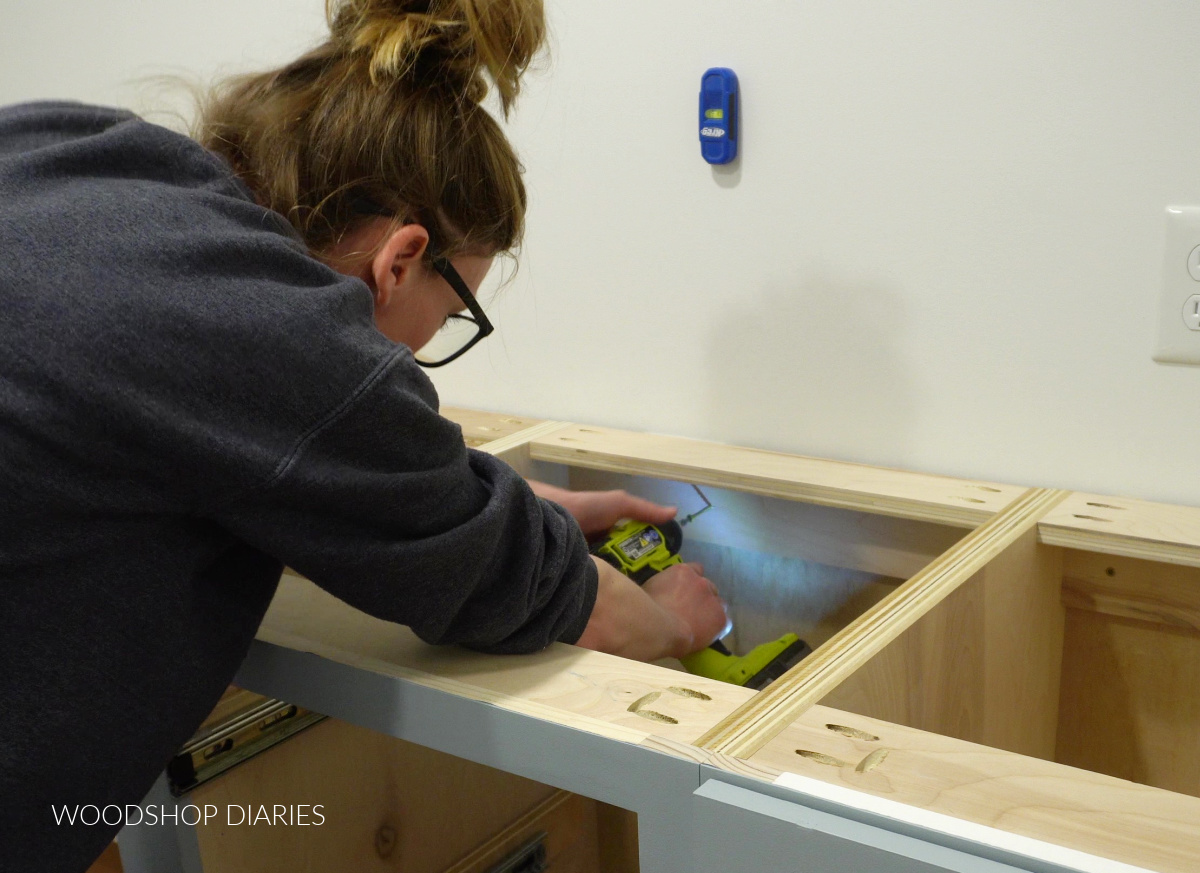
640, 550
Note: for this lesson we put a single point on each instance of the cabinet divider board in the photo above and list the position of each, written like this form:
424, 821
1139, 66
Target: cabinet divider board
957, 502
767, 713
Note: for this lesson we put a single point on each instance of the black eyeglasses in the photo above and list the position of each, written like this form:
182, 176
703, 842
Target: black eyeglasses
460, 330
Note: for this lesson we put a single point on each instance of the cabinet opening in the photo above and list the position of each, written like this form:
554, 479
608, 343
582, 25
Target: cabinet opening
1129, 704
1083, 659
785, 566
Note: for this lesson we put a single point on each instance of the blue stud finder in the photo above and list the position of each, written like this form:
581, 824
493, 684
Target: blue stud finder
718, 115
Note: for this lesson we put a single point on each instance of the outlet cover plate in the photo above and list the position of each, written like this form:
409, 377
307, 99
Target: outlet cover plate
1177, 342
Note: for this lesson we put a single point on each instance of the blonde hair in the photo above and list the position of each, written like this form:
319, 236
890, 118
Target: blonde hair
387, 112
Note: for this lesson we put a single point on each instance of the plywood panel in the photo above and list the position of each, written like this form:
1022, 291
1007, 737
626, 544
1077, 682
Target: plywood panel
1131, 700
1089, 812
930, 677
588, 690
1133, 528
983, 665
843, 656
1023, 643
878, 490
387, 805
1150, 591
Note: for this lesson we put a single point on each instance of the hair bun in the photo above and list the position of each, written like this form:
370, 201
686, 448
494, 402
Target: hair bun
451, 43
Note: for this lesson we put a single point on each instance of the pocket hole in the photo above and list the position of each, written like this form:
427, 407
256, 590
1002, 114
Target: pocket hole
1093, 518
969, 499
1106, 506
656, 716
853, 733
822, 759
873, 760
644, 700
986, 488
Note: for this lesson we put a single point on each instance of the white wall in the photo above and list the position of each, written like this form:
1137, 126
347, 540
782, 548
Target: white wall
940, 249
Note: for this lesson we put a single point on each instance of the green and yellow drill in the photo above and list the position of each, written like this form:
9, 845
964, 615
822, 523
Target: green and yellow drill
640, 550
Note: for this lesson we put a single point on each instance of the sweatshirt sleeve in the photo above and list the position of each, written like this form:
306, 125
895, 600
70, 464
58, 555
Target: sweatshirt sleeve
382, 505
201, 368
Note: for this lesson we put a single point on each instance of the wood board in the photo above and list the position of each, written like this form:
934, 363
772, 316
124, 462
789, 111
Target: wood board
1088, 812
524, 446
588, 690
1167, 594
1130, 704
982, 665
1120, 526
940, 499
480, 428
759, 719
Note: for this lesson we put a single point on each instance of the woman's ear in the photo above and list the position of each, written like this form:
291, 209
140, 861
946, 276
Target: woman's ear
392, 266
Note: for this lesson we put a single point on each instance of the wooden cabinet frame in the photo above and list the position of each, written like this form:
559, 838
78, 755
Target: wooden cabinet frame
922, 734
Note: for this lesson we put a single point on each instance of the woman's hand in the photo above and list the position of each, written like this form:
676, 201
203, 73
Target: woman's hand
674, 614
683, 591
597, 511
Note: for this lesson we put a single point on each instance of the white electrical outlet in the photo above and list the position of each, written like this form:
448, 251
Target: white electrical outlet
1179, 298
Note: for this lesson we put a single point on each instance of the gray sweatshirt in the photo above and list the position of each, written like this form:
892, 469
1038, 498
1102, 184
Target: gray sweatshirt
188, 401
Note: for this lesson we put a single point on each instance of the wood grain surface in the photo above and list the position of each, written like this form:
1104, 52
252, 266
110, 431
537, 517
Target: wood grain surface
959, 502
982, 665
1131, 700
742, 733
585, 689
1089, 812
1120, 526
484, 427
387, 805
1167, 594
